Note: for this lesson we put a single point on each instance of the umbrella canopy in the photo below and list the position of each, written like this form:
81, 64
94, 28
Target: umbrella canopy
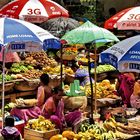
59, 26
127, 19
18, 33
88, 32
35, 11
125, 55
16, 36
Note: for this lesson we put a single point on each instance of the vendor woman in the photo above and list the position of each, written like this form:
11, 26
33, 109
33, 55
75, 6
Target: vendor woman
53, 109
44, 92
135, 97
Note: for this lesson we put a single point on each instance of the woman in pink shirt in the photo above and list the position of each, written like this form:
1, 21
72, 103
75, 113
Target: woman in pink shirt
125, 86
54, 110
44, 92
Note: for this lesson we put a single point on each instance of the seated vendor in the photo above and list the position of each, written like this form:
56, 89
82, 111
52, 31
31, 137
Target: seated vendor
54, 110
125, 86
44, 92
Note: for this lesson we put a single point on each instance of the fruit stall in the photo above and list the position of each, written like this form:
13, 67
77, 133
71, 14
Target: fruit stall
22, 81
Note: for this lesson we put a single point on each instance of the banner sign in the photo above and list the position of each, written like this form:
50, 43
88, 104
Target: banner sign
17, 47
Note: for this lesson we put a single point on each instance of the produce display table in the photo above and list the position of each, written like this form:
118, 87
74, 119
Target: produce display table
14, 95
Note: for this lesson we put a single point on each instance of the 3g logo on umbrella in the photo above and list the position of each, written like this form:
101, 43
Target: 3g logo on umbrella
134, 17
34, 11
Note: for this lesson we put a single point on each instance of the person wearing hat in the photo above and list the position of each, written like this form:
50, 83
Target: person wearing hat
83, 76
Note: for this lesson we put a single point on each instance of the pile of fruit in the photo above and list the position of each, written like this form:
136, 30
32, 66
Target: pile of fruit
39, 59
105, 131
69, 53
32, 74
69, 71
40, 124
103, 68
52, 70
104, 89
20, 68
98, 131
7, 77
70, 50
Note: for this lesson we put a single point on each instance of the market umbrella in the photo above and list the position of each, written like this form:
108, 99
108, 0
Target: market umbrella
35, 11
127, 19
17, 36
125, 55
88, 34
59, 26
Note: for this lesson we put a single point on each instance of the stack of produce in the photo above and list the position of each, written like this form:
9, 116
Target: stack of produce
52, 70
39, 59
69, 71
7, 77
32, 74
104, 89
103, 68
105, 131
69, 53
40, 124
20, 67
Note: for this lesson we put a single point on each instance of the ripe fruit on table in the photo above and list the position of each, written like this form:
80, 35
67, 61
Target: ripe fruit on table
40, 124
104, 89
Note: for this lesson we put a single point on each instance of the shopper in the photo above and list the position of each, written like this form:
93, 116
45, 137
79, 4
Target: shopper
9, 132
83, 76
125, 86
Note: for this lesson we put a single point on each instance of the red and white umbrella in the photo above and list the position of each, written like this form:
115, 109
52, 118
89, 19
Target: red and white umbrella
127, 19
35, 11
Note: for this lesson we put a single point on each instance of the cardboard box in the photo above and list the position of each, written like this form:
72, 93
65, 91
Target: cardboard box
30, 134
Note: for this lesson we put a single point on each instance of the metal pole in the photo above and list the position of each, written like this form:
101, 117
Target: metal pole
95, 78
3, 85
61, 61
91, 84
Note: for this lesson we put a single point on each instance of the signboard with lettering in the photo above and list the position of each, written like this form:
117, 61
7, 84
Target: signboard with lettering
17, 47
27, 46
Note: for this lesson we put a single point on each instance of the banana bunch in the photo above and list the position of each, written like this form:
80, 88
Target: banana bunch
85, 135
69, 71
108, 136
110, 124
105, 131
40, 124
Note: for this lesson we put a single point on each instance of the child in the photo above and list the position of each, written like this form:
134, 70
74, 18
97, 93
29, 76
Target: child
9, 132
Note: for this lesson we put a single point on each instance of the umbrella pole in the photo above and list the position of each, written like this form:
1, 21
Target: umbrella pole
91, 87
61, 67
95, 78
3, 85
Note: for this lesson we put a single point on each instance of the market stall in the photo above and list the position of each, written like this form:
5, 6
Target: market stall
25, 78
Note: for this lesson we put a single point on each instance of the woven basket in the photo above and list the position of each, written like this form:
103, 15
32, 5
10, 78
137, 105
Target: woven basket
67, 57
26, 86
8, 87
